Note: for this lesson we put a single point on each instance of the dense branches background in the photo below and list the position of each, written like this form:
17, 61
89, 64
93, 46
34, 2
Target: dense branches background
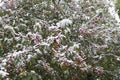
59, 40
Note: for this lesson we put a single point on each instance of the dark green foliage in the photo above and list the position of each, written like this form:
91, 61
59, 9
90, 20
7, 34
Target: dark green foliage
118, 6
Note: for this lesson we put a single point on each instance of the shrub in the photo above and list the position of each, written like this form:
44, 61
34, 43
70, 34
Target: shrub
59, 40
118, 6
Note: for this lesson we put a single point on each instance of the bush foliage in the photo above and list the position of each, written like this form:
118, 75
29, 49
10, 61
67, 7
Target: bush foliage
58, 40
118, 6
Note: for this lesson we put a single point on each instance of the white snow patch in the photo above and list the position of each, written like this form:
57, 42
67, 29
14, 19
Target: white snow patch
4, 62
3, 73
53, 27
72, 48
17, 53
45, 44
111, 9
29, 57
118, 58
1, 4
64, 22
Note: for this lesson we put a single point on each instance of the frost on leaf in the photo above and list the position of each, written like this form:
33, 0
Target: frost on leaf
59, 40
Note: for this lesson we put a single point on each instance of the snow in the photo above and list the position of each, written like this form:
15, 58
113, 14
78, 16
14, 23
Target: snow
53, 27
63, 51
1, 4
11, 29
111, 9
0, 19
32, 71
51, 38
3, 73
118, 58
4, 62
64, 22
45, 44
72, 48
67, 30
7, 27
17, 53
29, 57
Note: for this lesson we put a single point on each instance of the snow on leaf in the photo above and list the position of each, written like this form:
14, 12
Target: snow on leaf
3, 73
64, 22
